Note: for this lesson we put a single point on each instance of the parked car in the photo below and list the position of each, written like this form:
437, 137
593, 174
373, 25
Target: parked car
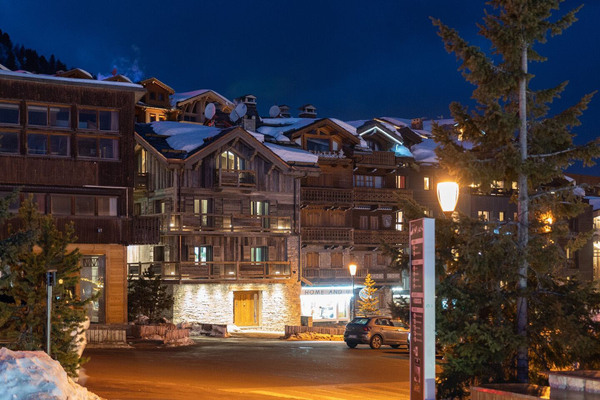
376, 331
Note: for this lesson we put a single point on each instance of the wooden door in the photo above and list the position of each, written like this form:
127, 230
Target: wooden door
245, 308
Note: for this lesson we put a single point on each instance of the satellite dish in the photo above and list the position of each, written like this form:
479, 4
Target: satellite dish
210, 111
238, 112
274, 111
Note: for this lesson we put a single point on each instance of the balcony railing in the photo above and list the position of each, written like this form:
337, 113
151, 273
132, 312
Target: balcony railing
235, 178
327, 235
144, 230
389, 197
379, 275
329, 196
185, 223
381, 236
214, 271
378, 158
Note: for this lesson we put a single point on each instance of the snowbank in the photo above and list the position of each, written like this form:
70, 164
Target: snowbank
34, 375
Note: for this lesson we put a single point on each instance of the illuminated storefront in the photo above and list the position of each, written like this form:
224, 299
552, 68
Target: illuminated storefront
331, 303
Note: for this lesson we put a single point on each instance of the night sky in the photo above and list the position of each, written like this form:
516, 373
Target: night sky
352, 60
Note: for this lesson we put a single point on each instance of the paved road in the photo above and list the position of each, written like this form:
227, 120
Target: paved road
249, 369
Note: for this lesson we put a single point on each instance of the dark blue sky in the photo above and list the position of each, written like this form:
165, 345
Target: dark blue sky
351, 59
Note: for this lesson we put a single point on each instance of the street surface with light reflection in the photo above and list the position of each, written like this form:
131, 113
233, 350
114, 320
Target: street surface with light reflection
249, 368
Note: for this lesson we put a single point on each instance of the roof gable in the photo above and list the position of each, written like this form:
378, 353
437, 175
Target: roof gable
156, 82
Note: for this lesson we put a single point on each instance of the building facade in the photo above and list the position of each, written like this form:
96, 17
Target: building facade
68, 143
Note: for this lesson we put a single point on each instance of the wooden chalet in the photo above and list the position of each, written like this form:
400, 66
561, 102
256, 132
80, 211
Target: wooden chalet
69, 144
155, 105
190, 107
349, 210
228, 205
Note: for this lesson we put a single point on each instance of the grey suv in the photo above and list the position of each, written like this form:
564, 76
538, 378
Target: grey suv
376, 331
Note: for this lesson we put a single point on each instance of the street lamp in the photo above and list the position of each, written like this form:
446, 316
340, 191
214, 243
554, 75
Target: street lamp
447, 193
352, 268
50, 281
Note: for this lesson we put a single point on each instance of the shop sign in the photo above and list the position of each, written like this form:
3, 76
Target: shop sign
422, 309
326, 291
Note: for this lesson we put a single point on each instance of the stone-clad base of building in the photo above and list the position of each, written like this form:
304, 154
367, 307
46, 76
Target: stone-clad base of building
275, 304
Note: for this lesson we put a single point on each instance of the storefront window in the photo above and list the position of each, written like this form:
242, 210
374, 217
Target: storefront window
93, 272
326, 304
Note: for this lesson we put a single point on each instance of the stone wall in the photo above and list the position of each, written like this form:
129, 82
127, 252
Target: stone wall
279, 303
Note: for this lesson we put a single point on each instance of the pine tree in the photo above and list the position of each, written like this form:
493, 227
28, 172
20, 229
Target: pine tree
500, 278
41, 246
369, 305
147, 296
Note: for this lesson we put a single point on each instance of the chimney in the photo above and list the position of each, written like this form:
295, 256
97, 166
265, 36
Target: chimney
308, 111
416, 123
284, 111
249, 120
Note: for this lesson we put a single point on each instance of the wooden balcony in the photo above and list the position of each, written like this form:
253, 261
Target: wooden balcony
326, 196
190, 223
144, 230
323, 235
381, 236
342, 275
389, 197
378, 158
214, 271
235, 178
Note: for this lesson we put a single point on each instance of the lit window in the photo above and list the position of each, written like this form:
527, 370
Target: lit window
202, 253
259, 254
231, 161
400, 182
483, 215
514, 185
399, 220
426, 183
501, 216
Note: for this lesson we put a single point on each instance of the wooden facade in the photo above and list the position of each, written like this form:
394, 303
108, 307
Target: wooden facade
69, 144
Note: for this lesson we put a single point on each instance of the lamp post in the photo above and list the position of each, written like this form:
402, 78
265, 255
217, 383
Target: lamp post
447, 194
50, 281
352, 268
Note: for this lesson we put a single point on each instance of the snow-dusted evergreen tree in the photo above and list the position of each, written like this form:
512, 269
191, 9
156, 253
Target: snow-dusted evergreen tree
147, 296
25, 256
502, 278
369, 305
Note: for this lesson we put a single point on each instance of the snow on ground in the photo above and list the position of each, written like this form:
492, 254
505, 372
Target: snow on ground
316, 336
34, 375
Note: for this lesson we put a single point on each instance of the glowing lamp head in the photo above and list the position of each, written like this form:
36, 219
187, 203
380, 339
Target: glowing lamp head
352, 267
447, 193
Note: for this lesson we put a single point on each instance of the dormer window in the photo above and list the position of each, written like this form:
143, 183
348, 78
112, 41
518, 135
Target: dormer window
231, 161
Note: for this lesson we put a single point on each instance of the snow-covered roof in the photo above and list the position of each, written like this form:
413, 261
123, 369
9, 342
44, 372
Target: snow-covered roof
184, 136
277, 127
402, 151
70, 81
424, 152
180, 97
594, 202
292, 154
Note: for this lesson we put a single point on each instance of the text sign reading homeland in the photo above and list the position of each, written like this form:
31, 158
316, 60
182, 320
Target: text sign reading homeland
326, 291
422, 309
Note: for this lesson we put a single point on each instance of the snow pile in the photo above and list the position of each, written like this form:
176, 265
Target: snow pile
34, 375
290, 154
316, 337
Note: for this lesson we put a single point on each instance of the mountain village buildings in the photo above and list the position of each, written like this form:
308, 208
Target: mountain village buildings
250, 220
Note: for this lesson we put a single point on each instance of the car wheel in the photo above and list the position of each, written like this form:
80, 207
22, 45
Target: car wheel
376, 342
351, 344
394, 346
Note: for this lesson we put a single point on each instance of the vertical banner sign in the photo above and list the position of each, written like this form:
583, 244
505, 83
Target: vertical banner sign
422, 309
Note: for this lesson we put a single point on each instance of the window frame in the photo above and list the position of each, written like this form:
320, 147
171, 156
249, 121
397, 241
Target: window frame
18, 105
48, 107
18, 136
48, 147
